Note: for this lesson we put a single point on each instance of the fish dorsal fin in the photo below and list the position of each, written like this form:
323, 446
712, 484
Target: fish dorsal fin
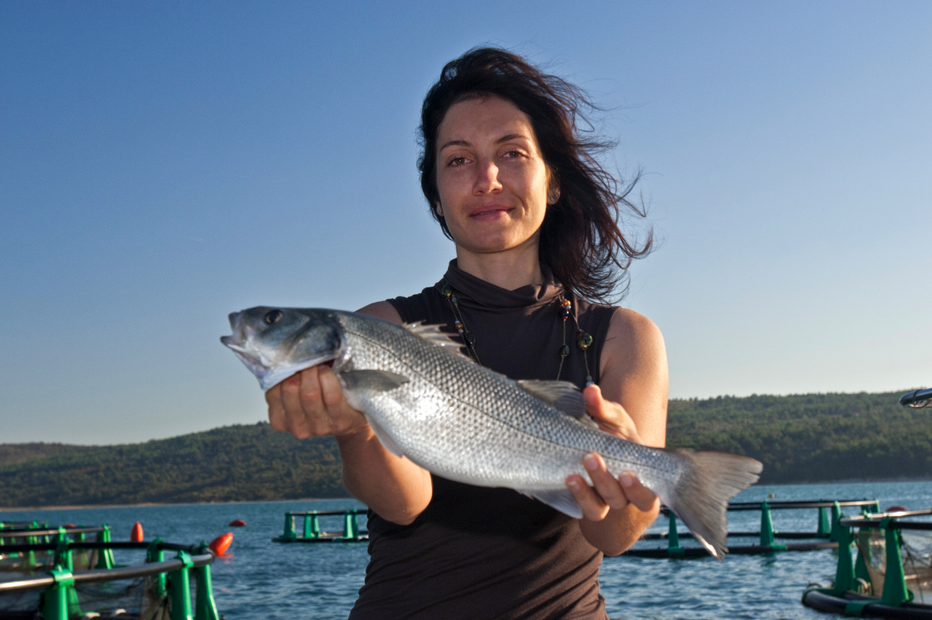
562, 395
434, 335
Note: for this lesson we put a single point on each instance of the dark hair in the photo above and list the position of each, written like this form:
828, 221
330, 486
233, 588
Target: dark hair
580, 239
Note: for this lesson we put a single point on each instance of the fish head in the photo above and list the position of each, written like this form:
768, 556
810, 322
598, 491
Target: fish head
275, 343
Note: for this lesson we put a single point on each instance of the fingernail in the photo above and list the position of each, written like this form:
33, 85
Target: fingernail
626, 479
591, 462
573, 484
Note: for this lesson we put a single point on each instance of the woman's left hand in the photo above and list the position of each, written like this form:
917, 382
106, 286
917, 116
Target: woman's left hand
608, 492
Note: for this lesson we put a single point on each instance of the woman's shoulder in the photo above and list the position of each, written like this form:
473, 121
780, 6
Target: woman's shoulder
424, 306
632, 335
382, 310
622, 322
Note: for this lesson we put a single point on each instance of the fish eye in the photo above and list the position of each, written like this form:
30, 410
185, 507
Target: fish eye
273, 316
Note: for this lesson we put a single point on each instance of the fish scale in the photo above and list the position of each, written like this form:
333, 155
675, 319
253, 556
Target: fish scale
527, 426
467, 423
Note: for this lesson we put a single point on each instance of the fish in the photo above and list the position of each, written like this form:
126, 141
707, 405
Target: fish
428, 402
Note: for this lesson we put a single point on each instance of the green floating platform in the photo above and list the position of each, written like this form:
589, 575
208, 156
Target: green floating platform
60, 599
311, 529
824, 537
856, 591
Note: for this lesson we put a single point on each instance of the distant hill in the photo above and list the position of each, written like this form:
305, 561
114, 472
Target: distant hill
12, 453
800, 438
233, 463
811, 437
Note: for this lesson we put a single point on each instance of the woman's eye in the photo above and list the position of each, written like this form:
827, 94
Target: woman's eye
457, 161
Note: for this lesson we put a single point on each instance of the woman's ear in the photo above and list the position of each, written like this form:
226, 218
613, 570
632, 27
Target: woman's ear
553, 193
439, 209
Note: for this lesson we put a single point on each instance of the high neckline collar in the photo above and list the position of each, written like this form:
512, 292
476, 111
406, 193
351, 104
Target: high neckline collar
473, 291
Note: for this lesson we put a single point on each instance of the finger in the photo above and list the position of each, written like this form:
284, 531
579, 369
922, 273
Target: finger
276, 411
341, 416
606, 485
610, 416
594, 401
637, 493
592, 505
330, 388
296, 419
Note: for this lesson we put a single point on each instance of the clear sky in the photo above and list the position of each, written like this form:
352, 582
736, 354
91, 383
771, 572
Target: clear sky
165, 163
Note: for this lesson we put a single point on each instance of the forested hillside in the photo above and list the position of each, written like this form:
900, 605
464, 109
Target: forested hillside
811, 437
805, 438
233, 463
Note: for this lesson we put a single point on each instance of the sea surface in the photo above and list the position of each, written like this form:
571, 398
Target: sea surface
262, 580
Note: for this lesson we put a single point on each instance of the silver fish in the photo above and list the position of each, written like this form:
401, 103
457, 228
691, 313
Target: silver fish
459, 420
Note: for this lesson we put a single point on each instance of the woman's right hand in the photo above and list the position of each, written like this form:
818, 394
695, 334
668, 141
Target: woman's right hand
311, 403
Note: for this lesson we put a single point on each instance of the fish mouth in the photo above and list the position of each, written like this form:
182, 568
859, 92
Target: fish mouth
251, 358
268, 371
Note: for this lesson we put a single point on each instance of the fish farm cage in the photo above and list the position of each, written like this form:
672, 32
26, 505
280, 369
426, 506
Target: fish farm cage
825, 535
60, 574
311, 531
891, 575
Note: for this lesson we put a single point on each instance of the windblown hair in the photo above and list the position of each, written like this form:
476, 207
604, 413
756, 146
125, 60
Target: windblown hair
580, 239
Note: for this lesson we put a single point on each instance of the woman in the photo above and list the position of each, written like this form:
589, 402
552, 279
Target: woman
533, 219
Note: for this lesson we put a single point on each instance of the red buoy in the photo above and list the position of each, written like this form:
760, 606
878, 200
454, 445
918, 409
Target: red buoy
136, 534
220, 544
69, 526
896, 509
237, 523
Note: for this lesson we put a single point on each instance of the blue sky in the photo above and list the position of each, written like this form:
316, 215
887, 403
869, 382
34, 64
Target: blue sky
163, 164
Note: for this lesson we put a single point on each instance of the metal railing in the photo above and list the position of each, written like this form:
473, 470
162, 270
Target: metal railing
172, 576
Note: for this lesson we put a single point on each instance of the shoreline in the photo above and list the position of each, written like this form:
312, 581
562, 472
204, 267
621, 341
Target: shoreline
148, 504
315, 499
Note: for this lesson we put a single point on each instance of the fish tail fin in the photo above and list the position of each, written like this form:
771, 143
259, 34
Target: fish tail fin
700, 496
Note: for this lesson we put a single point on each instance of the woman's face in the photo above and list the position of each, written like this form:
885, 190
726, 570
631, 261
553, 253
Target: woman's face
491, 176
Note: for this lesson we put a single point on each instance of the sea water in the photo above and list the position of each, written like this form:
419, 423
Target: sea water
261, 580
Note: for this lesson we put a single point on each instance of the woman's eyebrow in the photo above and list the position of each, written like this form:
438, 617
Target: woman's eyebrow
503, 139
512, 136
455, 143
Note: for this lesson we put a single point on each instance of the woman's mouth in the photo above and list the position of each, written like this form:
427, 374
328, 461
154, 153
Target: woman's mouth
489, 213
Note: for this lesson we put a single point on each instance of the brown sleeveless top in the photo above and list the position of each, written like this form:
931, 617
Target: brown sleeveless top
478, 552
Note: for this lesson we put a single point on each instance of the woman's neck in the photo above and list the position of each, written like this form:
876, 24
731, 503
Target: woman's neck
507, 270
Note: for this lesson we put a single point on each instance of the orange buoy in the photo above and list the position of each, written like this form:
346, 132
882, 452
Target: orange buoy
220, 544
136, 534
237, 523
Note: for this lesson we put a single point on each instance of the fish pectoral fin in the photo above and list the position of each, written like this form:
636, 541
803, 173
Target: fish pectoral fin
374, 380
559, 499
562, 395
386, 441
437, 337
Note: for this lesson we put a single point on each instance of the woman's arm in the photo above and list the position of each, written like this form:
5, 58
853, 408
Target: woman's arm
632, 403
312, 404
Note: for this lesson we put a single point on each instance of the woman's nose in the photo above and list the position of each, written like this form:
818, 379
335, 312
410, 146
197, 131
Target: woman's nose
487, 179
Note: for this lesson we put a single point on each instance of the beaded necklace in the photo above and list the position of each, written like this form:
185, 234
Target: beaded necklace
564, 308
